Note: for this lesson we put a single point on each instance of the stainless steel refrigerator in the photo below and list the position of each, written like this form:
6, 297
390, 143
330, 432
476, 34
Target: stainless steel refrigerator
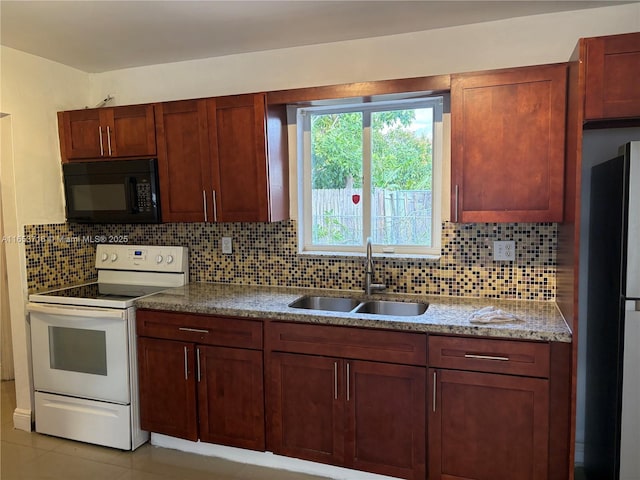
612, 400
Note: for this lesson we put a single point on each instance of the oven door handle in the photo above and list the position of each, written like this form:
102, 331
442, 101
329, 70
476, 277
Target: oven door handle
74, 311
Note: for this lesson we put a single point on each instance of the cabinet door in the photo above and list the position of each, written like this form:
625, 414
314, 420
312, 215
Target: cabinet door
305, 407
486, 426
81, 134
167, 387
183, 159
130, 131
507, 137
612, 67
237, 126
386, 419
231, 397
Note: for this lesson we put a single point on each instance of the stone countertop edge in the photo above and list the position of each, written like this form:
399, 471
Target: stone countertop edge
449, 315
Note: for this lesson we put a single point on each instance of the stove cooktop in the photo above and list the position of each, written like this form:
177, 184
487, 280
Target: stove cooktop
97, 294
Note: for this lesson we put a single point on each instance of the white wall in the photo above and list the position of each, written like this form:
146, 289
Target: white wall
32, 90
506, 43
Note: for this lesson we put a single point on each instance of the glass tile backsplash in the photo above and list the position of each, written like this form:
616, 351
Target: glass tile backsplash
266, 254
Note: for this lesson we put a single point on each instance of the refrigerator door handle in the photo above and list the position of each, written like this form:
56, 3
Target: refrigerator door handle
633, 222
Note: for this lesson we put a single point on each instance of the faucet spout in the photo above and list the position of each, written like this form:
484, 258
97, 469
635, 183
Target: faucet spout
369, 285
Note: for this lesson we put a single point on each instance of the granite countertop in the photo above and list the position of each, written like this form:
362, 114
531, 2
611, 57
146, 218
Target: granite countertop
538, 320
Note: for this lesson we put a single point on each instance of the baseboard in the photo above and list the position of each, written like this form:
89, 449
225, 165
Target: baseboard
22, 419
264, 459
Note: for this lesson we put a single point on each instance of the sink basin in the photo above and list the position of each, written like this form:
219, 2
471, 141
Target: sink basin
386, 307
334, 304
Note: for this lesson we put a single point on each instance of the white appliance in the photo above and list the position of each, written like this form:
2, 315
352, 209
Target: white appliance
83, 345
612, 400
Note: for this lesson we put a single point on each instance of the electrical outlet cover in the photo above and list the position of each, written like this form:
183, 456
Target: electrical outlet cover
227, 245
504, 251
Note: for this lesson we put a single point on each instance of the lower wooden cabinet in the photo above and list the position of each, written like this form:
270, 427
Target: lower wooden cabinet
488, 426
366, 399
488, 422
195, 391
360, 414
167, 387
231, 397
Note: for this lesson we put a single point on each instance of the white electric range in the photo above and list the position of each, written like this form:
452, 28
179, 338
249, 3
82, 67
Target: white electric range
83, 345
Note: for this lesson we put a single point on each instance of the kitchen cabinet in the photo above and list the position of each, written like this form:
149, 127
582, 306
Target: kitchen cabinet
116, 132
488, 409
183, 161
612, 67
335, 395
507, 144
222, 159
249, 159
201, 377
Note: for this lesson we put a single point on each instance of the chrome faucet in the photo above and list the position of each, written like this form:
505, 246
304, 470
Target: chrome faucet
369, 286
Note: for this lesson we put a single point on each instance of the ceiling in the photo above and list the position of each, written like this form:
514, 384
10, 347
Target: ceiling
97, 36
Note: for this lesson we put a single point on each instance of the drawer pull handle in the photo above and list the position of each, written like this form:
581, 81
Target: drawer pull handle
335, 380
486, 357
197, 330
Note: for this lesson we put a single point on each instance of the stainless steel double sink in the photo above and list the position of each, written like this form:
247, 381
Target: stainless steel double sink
353, 305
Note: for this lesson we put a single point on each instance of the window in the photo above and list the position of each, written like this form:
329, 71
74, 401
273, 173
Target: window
370, 170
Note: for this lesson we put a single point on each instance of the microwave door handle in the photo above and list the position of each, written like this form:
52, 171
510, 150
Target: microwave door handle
132, 199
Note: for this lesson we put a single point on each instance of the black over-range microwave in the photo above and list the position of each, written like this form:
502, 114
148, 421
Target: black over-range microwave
112, 191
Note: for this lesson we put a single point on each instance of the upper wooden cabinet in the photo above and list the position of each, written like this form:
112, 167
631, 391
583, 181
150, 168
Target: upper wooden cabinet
507, 144
612, 68
184, 163
107, 132
249, 159
223, 159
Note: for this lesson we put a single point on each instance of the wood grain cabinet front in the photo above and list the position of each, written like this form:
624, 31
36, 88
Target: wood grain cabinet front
102, 133
202, 384
352, 412
507, 144
612, 68
489, 409
223, 159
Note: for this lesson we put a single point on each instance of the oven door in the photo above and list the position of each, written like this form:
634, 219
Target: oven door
80, 351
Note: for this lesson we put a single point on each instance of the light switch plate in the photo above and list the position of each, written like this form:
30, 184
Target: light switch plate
504, 250
227, 246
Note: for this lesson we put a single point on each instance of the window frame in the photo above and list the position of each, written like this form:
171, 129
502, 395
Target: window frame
303, 135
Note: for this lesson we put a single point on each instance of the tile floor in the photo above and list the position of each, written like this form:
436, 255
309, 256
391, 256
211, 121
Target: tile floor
32, 456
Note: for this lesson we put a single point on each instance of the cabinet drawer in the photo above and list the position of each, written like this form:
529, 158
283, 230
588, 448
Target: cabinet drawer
204, 329
346, 342
484, 355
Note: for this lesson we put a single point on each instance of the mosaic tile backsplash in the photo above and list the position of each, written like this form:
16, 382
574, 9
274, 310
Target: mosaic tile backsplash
266, 254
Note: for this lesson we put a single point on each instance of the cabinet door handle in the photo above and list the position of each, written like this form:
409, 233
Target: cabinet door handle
101, 147
198, 363
197, 330
486, 357
215, 206
204, 203
348, 380
456, 203
335, 380
186, 369
109, 139
434, 392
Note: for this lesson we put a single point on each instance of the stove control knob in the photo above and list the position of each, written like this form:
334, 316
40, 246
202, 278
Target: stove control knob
104, 257
169, 258
159, 259
114, 257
